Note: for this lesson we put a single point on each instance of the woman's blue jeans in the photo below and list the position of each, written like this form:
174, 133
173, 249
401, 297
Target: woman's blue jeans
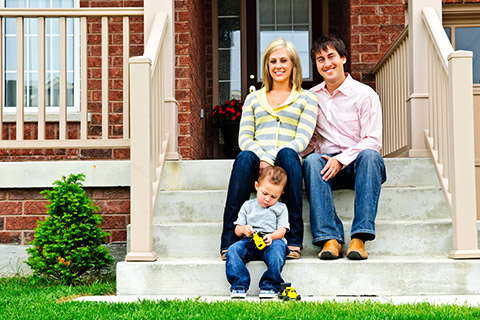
365, 175
242, 179
244, 251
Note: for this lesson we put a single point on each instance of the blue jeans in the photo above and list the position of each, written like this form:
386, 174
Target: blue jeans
245, 251
242, 179
365, 175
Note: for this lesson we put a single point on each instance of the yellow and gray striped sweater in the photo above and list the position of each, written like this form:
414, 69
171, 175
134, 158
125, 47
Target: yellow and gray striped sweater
265, 130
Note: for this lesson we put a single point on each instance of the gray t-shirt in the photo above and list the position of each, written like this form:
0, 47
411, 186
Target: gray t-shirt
265, 220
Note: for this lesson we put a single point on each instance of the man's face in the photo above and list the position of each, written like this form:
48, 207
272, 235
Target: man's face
330, 65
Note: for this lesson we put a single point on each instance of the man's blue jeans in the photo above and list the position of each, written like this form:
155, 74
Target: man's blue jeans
242, 179
245, 251
365, 175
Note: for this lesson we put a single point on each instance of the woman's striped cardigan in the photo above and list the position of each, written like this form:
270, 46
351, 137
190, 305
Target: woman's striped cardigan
265, 130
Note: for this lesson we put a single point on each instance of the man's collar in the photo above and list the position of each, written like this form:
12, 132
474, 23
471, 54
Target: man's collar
345, 87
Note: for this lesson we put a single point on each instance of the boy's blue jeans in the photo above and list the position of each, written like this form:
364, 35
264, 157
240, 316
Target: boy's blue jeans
365, 175
242, 179
244, 251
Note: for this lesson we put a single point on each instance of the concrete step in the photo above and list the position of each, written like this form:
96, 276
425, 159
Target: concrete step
395, 204
377, 276
394, 238
214, 174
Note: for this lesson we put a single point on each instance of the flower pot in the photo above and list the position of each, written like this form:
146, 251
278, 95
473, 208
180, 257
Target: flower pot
230, 138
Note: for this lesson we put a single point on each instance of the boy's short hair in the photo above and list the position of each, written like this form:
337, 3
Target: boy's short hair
324, 42
274, 174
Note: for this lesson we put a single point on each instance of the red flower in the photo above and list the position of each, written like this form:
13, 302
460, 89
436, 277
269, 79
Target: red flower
230, 111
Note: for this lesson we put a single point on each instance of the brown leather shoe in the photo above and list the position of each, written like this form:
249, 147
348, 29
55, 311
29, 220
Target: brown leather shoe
331, 250
356, 250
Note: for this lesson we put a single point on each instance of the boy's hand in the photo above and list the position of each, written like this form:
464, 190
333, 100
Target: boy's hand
268, 239
247, 230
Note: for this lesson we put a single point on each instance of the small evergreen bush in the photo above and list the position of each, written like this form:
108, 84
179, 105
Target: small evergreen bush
68, 244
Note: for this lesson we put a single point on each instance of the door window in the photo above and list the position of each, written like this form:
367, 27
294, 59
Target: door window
287, 19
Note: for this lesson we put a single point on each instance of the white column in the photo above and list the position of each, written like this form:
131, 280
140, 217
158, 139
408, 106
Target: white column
417, 104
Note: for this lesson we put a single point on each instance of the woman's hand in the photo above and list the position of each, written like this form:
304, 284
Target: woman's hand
263, 165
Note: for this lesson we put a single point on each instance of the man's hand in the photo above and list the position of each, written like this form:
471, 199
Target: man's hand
263, 165
331, 168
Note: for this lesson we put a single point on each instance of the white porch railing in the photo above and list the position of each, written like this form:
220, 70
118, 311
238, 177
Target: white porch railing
149, 139
64, 115
391, 75
448, 125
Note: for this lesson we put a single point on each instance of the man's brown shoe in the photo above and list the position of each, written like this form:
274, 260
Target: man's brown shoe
331, 250
356, 250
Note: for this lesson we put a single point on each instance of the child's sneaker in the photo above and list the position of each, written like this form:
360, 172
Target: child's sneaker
238, 294
267, 294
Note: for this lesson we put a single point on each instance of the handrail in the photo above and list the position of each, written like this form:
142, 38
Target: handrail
450, 133
149, 139
70, 12
437, 34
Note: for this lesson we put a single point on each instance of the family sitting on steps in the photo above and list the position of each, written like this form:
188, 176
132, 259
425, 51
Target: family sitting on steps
330, 135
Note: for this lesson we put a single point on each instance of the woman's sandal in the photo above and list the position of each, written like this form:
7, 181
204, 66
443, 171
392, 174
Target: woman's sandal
294, 254
224, 255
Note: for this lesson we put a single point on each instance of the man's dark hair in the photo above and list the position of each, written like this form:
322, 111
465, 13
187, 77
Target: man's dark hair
322, 43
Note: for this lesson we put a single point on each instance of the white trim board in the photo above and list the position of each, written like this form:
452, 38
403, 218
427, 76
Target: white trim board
42, 174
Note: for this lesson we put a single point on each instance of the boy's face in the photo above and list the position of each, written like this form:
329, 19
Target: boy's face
268, 193
330, 65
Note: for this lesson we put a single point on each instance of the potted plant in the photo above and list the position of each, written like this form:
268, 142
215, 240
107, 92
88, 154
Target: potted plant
227, 117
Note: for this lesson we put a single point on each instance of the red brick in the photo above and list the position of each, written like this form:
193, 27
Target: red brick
25, 194
121, 153
10, 237
114, 222
365, 29
2, 223
120, 206
22, 222
363, 10
10, 208
398, 9
28, 237
118, 235
35, 207
112, 193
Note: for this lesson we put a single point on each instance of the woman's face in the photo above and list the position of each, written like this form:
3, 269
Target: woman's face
279, 65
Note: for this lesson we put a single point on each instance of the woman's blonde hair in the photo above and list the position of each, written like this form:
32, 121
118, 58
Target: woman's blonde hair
296, 77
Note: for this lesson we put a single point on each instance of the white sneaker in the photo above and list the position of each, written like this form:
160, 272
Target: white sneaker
238, 294
267, 294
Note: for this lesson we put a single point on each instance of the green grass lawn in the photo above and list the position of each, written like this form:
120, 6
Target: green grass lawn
22, 298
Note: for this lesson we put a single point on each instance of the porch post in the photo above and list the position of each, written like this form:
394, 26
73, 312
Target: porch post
151, 7
462, 157
417, 103
142, 172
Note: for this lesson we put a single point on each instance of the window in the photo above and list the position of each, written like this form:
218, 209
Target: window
31, 60
287, 19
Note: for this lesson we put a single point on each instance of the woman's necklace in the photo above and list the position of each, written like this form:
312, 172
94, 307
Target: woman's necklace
277, 98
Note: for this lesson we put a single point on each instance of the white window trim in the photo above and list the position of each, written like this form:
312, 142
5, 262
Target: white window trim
52, 113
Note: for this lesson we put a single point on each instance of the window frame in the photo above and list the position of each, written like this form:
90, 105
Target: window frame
52, 112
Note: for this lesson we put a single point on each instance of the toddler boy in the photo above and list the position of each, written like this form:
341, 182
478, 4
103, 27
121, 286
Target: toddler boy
263, 214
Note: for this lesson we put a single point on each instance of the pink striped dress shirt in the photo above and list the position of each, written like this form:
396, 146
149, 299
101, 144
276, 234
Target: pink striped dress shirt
349, 121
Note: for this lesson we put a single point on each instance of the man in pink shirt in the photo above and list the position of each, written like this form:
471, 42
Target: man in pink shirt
345, 146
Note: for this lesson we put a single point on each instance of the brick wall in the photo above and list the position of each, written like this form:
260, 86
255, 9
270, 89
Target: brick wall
20, 209
374, 25
191, 76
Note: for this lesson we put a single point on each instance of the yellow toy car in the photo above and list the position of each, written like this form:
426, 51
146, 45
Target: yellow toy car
287, 292
258, 239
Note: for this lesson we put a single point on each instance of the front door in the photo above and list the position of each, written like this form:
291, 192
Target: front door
246, 27
299, 21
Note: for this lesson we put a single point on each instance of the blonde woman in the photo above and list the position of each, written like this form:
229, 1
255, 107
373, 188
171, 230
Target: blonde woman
276, 126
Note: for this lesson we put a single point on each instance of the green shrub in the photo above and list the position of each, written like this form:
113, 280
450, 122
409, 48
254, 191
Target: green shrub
68, 244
